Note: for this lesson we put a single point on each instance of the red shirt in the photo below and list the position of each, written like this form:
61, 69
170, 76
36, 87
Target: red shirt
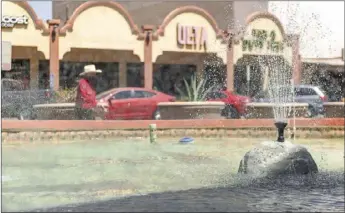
86, 95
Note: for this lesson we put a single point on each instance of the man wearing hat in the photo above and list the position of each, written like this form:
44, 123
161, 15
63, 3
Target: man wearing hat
86, 94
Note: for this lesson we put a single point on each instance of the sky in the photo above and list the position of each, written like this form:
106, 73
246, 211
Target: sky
319, 23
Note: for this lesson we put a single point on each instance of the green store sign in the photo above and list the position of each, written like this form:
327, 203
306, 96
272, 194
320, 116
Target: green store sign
263, 39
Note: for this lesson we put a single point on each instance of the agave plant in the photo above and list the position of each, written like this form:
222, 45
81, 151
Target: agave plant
66, 95
195, 91
158, 84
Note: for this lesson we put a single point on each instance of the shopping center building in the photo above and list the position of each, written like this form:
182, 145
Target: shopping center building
29, 37
187, 40
326, 72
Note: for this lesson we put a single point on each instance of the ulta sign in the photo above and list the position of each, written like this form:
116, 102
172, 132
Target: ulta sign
191, 36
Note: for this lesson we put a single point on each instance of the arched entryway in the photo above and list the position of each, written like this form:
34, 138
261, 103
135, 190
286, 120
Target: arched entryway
101, 33
254, 74
263, 54
184, 41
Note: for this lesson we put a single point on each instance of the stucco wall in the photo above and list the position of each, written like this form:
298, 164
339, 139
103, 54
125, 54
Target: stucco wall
242, 9
268, 25
168, 42
141, 11
101, 27
24, 36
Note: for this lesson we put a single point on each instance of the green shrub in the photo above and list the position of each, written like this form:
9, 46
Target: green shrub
195, 91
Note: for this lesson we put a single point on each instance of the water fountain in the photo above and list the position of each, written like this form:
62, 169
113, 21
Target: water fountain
280, 157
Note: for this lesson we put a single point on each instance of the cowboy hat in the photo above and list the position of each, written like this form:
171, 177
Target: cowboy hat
90, 69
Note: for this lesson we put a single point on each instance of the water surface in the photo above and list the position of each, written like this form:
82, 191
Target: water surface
165, 176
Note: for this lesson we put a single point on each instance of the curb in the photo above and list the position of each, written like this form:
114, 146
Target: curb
60, 136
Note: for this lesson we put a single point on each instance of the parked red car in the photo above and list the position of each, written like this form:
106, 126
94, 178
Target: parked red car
235, 105
130, 103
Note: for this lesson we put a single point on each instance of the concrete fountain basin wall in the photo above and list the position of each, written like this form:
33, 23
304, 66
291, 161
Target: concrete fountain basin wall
190, 110
56, 111
60, 111
16, 131
265, 110
334, 109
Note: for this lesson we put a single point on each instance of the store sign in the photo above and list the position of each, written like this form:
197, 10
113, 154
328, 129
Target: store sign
11, 21
191, 36
262, 40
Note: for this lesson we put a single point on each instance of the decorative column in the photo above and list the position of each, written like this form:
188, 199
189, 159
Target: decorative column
148, 65
54, 64
230, 64
296, 59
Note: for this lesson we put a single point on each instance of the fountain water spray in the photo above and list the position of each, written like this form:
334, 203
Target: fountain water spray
269, 159
275, 159
279, 74
294, 108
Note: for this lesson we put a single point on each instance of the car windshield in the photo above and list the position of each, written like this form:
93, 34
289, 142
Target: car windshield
319, 91
281, 90
104, 94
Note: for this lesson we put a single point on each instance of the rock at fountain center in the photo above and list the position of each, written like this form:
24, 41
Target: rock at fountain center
270, 159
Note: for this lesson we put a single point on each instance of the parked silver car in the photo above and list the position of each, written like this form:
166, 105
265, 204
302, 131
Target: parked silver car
310, 94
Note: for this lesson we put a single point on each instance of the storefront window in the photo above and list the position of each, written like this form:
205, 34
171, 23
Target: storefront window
248, 86
43, 74
214, 72
135, 75
215, 76
166, 78
330, 82
253, 73
20, 71
108, 79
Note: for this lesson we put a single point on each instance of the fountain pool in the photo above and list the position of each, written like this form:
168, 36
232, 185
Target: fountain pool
195, 177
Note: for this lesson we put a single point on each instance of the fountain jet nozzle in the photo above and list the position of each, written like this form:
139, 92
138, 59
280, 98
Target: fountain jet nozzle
280, 127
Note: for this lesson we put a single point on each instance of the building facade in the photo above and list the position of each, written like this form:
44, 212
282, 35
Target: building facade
328, 73
184, 42
228, 14
28, 36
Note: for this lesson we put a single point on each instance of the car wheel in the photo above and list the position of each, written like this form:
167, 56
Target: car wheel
156, 115
310, 112
231, 113
25, 114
